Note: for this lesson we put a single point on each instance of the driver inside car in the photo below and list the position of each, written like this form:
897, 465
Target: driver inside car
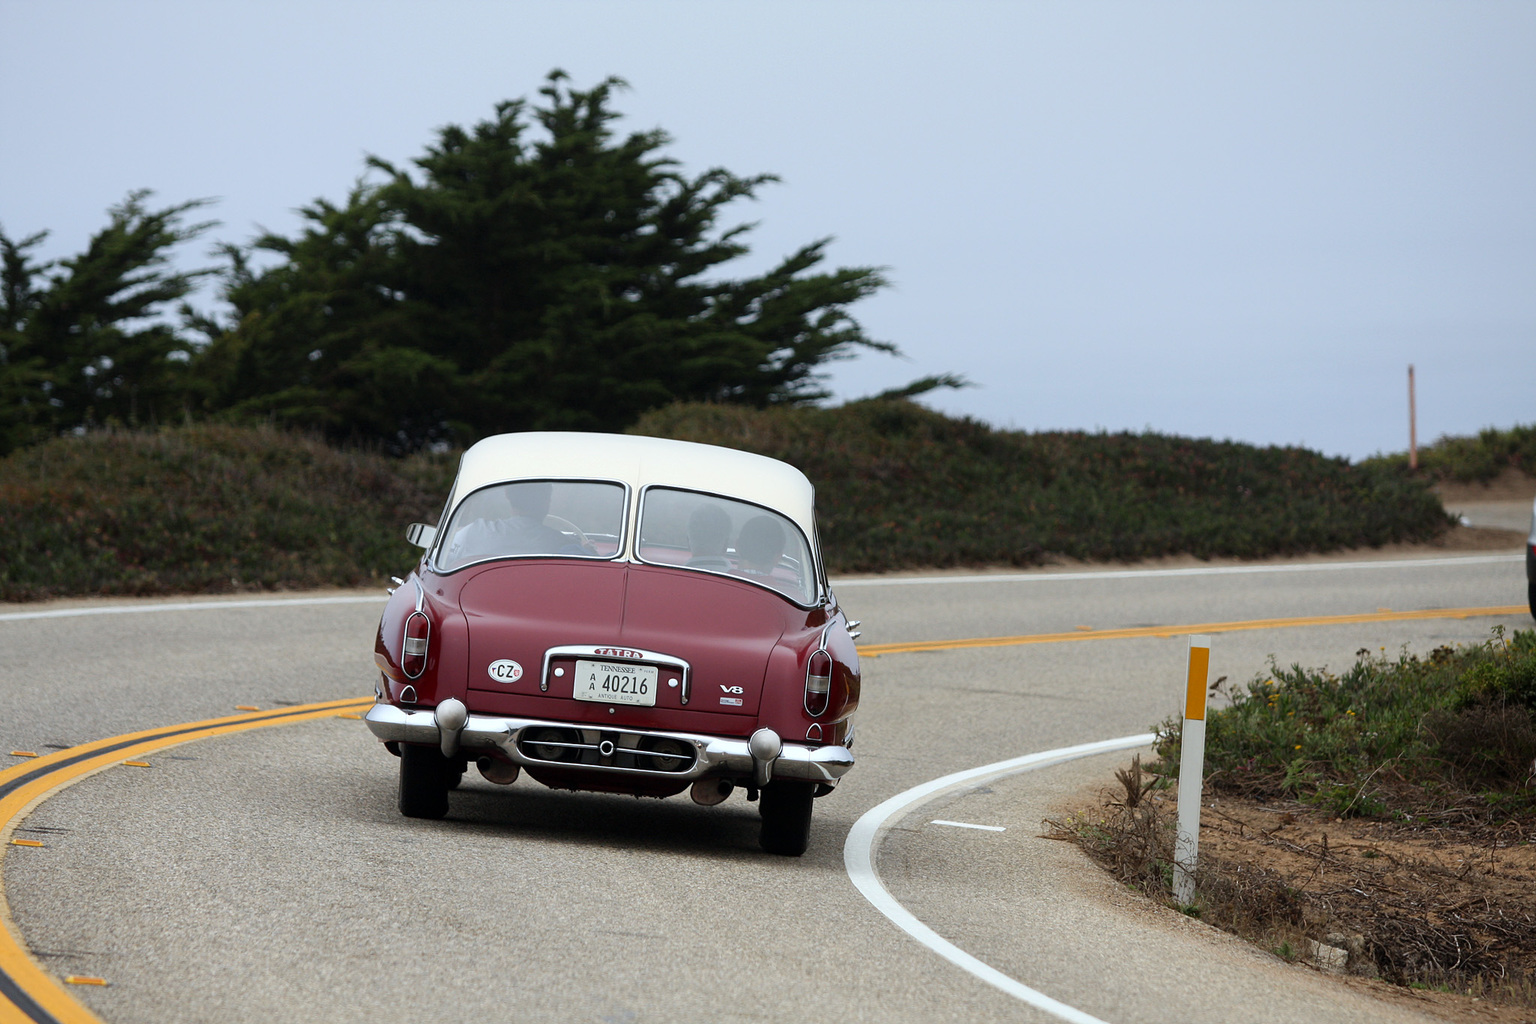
509, 520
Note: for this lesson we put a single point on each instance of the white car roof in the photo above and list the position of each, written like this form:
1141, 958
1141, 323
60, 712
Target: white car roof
638, 461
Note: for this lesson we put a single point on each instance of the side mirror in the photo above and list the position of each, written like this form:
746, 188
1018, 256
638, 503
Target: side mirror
421, 534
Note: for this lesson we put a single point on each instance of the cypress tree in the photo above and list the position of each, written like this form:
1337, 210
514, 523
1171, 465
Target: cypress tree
534, 271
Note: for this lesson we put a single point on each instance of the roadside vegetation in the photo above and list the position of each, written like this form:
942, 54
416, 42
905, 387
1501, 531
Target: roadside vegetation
902, 486
1379, 820
1448, 735
216, 508
1479, 459
206, 509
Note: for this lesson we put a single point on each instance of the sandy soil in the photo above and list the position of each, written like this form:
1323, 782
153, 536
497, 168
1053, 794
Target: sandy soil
1512, 485
1415, 898
1460, 540
1503, 504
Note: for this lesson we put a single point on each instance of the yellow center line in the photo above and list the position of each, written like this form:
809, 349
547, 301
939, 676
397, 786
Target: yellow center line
28, 993
1079, 634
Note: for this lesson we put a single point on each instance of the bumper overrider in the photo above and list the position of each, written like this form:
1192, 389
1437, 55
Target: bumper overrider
522, 741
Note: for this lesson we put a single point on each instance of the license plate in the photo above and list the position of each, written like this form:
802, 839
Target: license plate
615, 683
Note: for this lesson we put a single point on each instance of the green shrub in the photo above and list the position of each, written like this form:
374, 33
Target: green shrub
1508, 677
1388, 734
205, 509
899, 485
1471, 459
216, 508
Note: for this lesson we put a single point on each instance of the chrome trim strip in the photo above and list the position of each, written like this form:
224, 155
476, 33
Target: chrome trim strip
725, 757
405, 637
831, 669
633, 751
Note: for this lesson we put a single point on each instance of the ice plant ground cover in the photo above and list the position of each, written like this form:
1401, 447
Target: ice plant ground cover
214, 508
902, 486
205, 509
1467, 459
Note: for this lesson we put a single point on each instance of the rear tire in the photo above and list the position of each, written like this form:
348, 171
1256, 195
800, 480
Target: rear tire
786, 810
1530, 593
424, 775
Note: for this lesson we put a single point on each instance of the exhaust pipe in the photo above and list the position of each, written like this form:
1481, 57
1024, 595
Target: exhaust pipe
708, 792
503, 773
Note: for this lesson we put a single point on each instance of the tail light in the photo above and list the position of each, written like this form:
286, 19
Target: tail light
413, 654
818, 683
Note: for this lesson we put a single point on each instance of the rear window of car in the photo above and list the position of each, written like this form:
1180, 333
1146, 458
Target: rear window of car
535, 518
716, 534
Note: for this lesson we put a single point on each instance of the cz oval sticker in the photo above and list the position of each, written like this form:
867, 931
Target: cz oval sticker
505, 671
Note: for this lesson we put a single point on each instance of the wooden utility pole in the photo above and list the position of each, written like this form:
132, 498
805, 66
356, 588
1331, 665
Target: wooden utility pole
1413, 426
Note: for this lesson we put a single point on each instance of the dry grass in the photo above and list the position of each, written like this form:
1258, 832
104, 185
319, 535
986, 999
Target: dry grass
1379, 822
1426, 906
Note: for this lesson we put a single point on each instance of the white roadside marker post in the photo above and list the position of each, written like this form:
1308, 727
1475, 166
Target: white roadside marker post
1186, 845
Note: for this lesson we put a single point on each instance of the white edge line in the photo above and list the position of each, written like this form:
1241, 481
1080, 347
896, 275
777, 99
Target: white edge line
186, 606
859, 855
1213, 570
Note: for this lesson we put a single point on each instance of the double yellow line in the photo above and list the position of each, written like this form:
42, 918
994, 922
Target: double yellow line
28, 994
1085, 633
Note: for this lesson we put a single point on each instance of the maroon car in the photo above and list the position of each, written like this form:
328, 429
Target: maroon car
625, 615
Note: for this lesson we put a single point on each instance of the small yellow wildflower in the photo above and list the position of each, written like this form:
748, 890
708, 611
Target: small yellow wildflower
1298, 746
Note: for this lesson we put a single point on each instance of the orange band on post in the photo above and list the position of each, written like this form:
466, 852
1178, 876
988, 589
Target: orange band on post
1199, 672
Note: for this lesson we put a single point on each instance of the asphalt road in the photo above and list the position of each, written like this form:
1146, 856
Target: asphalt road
267, 876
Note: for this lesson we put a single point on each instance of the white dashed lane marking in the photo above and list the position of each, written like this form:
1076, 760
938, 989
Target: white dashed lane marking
966, 824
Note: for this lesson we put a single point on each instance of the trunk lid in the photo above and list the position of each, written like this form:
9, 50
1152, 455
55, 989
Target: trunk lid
725, 630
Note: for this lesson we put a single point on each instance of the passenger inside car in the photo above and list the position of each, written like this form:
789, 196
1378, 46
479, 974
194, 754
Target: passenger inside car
709, 527
759, 546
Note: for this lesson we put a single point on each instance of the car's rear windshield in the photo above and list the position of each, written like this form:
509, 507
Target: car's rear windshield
531, 518
721, 535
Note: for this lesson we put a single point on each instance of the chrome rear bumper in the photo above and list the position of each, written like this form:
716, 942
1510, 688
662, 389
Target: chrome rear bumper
714, 755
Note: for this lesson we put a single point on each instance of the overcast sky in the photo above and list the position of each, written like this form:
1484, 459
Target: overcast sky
1227, 220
